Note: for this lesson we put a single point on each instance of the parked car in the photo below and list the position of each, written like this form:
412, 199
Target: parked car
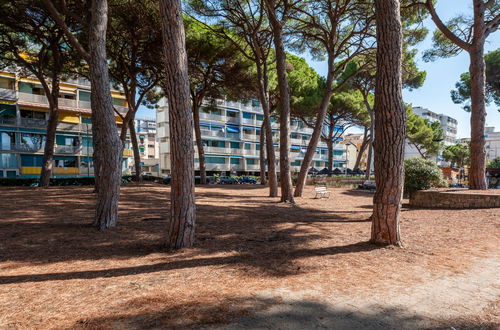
247, 179
227, 180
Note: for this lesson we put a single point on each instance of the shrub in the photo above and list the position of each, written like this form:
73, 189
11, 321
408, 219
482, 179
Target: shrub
495, 163
421, 174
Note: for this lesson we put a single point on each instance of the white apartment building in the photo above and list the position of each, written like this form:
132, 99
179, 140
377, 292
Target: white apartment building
230, 134
492, 143
448, 124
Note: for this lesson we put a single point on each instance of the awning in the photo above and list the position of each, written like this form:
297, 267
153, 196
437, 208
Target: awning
232, 129
295, 148
232, 110
68, 118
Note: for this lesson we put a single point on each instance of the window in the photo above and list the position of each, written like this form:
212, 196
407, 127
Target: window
250, 161
231, 114
235, 145
6, 140
11, 174
248, 115
31, 160
32, 114
260, 117
33, 141
86, 162
215, 160
65, 161
296, 163
84, 96
8, 160
235, 161
248, 146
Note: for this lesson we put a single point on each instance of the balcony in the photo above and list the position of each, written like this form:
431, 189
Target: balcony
212, 133
84, 105
33, 98
8, 121
68, 126
26, 147
254, 167
248, 152
7, 94
31, 122
67, 149
251, 137
233, 120
208, 116
247, 121
87, 151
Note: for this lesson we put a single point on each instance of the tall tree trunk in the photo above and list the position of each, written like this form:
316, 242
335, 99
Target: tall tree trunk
199, 142
370, 146
318, 127
135, 148
329, 144
271, 157
183, 207
362, 149
389, 126
48, 152
284, 96
477, 179
262, 156
109, 150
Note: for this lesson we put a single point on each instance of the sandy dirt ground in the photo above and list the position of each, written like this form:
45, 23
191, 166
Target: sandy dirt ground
257, 264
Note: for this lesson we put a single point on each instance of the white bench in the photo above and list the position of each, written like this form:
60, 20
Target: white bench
321, 192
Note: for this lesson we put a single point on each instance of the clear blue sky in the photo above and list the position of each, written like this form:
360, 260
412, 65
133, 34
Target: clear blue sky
443, 73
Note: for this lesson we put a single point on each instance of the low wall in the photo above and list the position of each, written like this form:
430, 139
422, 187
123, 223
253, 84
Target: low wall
454, 200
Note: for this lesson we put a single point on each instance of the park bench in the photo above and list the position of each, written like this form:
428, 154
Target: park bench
369, 184
321, 192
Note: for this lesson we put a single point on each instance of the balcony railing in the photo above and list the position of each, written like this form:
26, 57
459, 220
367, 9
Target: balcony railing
67, 149
26, 147
70, 103
254, 167
7, 121
208, 116
248, 121
68, 126
33, 98
33, 122
233, 120
84, 105
251, 137
8, 94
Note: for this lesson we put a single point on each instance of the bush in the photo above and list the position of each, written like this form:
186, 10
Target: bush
421, 174
495, 163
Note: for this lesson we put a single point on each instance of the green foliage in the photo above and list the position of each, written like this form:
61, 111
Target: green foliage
494, 163
421, 174
458, 154
425, 136
462, 93
216, 66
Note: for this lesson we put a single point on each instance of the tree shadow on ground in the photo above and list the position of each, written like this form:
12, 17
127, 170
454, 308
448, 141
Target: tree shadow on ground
52, 225
268, 313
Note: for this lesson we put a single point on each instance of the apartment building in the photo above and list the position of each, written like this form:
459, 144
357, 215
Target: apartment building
448, 124
149, 146
23, 122
230, 133
492, 143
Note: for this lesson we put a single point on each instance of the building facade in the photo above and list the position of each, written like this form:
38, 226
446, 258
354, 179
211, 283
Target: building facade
492, 143
230, 133
23, 121
149, 146
448, 124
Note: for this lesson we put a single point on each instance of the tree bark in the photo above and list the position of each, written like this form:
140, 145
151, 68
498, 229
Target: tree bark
271, 157
318, 127
262, 156
48, 152
370, 146
183, 208
284, 96
477, 179
199, 142
135, 148
389, 126
109, 147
